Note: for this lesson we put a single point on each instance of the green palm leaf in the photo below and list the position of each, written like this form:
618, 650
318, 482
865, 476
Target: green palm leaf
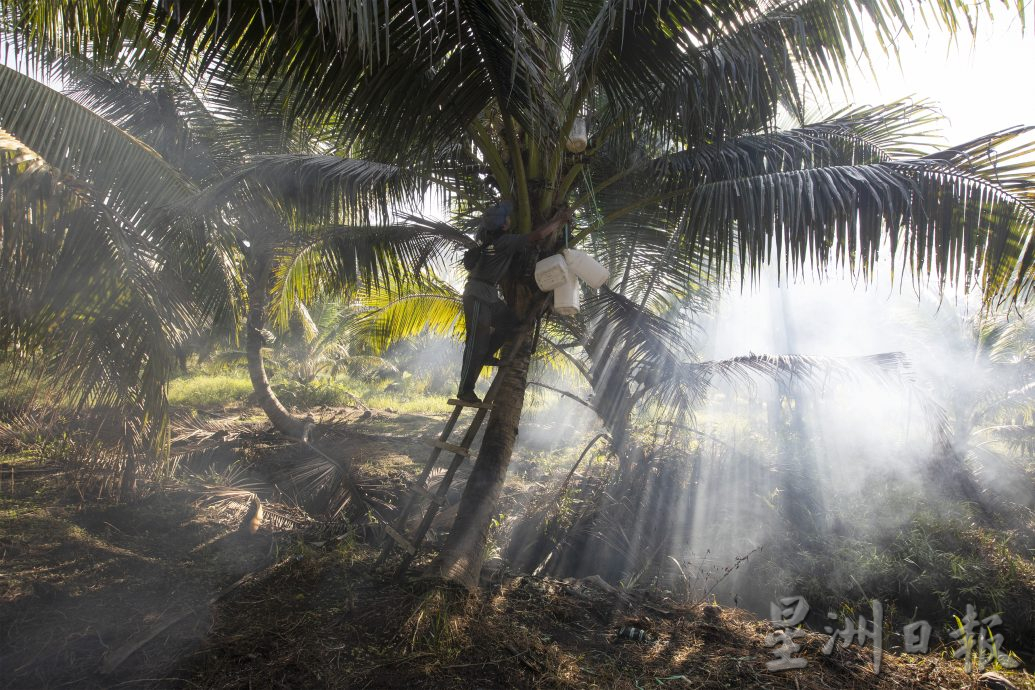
77, 300
394, 319
318, 187
955, 222
341, 259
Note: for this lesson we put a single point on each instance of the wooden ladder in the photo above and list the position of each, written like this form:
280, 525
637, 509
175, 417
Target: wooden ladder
419, 490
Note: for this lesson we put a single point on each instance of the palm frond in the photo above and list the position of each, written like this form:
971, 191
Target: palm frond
858, 136
318, 187
78, 142
75, 295
97, 273
337, 260
392, 319
681, 389
405, 78
956, 223
886, 367
126, 183
694, 72
1018, 438
106, 32
626, 344
633, 225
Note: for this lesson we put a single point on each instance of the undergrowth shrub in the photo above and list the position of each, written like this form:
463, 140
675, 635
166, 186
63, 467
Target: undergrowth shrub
929, 569
322, 392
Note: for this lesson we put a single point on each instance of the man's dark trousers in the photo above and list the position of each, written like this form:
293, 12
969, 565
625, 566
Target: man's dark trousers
489, 325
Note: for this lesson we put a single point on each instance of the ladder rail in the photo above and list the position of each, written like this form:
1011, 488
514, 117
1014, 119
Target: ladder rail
428, 466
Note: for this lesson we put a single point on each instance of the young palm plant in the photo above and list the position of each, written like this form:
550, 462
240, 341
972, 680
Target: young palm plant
485, 100
989, 407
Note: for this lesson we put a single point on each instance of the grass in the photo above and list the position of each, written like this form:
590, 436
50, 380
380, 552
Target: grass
19, 390
207, 387
21, 457
202, 389
929, 570
210, 390
425, 404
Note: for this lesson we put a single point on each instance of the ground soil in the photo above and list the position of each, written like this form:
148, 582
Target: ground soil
166, 592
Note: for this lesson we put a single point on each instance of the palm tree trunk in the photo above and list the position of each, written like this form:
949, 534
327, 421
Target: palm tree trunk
128, 487
461, 558
258, 284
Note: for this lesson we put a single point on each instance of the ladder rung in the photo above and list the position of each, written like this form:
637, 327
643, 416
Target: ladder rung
399, 539
426, 493
451, 447
463, 403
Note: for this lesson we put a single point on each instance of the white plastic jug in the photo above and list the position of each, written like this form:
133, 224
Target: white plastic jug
566, 297
586, 267
552, 272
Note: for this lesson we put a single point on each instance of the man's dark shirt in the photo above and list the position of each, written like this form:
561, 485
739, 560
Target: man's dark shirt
492, 266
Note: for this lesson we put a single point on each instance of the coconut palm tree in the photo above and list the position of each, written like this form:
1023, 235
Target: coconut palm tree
202, 137
681, 168
102, 286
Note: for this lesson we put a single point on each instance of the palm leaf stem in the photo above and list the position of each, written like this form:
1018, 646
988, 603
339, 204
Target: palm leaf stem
492, 155
567, 355
623, 211
853, 127
445, 184
569, 180
520, 192
547, 201
617, 177
604, 136
562, 392
534, 167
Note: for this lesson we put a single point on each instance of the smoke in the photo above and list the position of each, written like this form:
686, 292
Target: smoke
797, 462
784, 470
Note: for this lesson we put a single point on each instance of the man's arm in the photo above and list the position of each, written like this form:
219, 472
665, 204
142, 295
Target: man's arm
551, 226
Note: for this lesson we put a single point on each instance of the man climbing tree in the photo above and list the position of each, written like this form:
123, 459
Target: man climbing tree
490, 320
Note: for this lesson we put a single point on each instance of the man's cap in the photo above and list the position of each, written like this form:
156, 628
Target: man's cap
495, 216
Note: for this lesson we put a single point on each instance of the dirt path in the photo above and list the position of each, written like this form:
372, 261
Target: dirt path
76, 584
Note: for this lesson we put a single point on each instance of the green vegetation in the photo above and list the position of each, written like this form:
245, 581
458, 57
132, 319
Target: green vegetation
203, 390
232, 388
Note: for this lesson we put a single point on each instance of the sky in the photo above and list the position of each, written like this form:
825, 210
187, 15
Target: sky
981, 85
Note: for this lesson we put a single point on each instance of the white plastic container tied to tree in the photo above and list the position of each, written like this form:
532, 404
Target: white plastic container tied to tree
552, 272
577, 138
566, 297
586, 267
